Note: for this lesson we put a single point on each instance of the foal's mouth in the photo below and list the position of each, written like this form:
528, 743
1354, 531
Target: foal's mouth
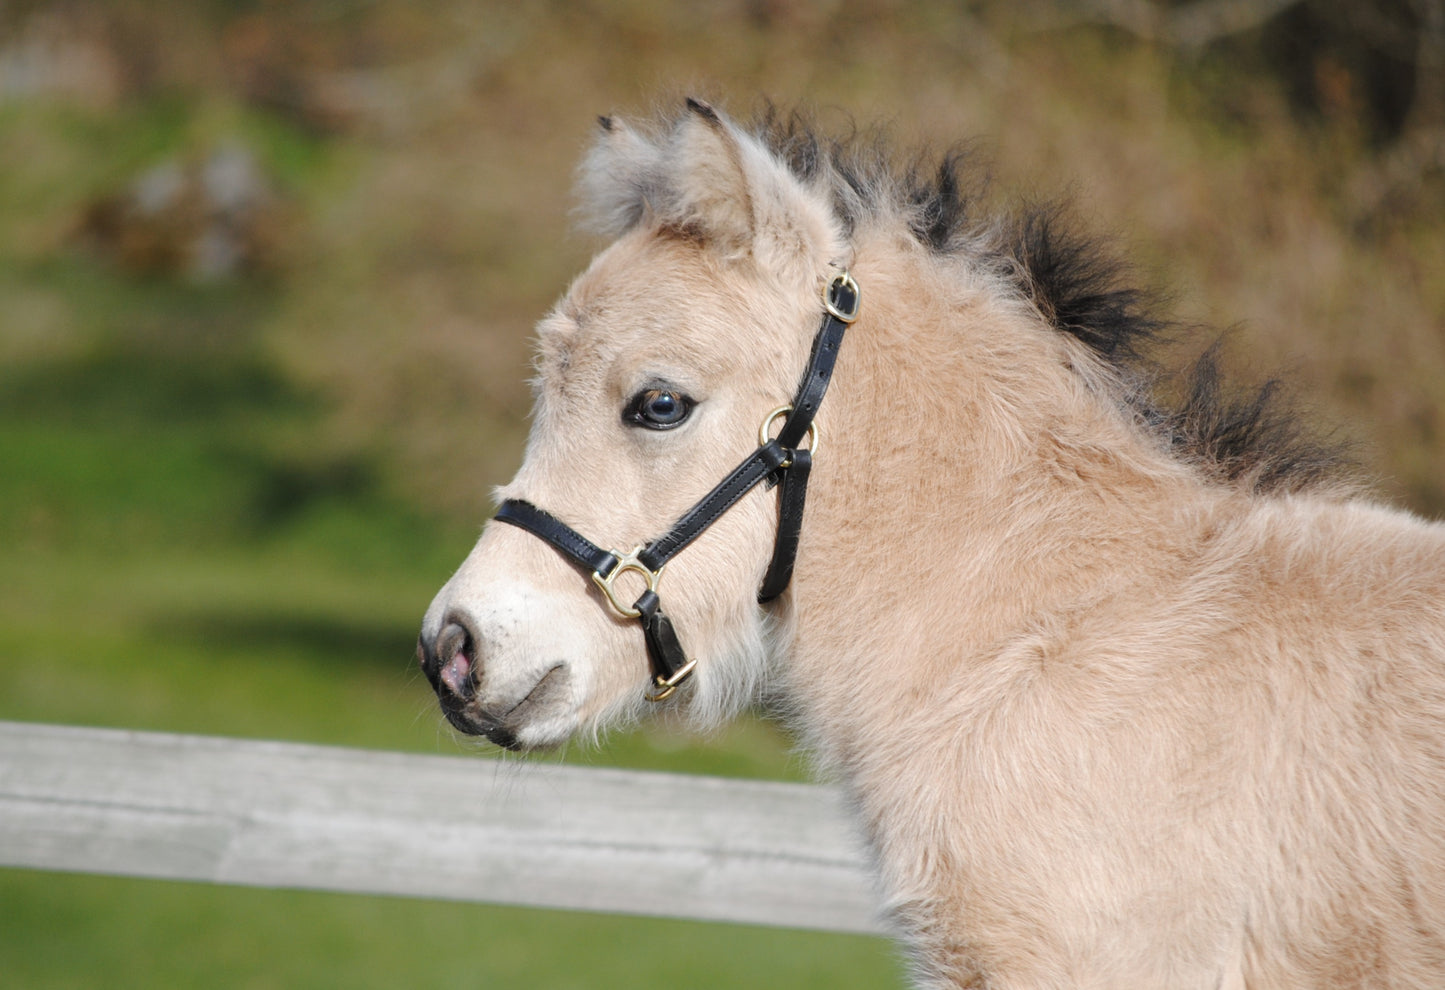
451, 665
502, 726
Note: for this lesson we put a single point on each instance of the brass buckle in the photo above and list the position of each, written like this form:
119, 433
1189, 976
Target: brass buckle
841, 289
765, 432
626, 562
663, 687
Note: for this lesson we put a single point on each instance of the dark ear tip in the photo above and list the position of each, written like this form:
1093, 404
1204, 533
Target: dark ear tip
605, 122
703, 110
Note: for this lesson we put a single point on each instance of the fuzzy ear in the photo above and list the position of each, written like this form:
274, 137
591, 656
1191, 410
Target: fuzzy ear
619, 179
714, 196
735, 194
709, 180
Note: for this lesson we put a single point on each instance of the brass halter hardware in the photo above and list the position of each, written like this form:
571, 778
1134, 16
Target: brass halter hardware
663, 687
765, 432
626, 562
842, 291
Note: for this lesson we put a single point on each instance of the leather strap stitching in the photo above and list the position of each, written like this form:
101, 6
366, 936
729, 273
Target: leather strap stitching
746, 476
550, 529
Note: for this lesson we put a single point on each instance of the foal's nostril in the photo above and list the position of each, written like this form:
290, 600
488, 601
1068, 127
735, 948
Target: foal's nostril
456, 660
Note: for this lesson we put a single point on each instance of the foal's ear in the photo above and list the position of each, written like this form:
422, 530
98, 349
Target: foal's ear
620, 178
713, 193
706, 179
732, 192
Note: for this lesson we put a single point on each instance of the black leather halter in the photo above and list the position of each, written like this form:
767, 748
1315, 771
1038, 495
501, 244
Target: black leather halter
778, 460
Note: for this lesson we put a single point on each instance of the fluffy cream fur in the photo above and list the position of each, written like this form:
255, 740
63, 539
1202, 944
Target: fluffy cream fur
1107, 721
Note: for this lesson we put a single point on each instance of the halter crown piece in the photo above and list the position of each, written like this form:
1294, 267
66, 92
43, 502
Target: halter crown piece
778, 460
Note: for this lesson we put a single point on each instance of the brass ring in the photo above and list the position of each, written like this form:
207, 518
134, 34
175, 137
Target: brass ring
626, 562
765, 431
663, 688
842, 281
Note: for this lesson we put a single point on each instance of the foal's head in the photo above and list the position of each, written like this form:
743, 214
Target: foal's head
655, 371
658, 366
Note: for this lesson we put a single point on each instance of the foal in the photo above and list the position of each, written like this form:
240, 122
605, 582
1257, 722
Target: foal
1125, 695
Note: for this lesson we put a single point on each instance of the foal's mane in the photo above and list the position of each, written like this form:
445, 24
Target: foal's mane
1245, 438
1250, 437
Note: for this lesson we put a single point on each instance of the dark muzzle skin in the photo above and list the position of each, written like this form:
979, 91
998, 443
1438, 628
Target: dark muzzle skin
452, 663
449, 661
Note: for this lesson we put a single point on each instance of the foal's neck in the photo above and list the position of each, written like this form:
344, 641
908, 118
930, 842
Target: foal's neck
981, 477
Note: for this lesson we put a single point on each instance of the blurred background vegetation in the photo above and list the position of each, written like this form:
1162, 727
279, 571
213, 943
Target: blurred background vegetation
267, 272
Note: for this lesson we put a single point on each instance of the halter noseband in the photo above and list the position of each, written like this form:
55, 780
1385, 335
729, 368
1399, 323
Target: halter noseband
778, 460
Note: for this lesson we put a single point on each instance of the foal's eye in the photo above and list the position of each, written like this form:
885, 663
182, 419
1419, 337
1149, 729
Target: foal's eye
657, 409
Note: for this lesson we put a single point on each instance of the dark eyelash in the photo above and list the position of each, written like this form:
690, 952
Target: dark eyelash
659, 408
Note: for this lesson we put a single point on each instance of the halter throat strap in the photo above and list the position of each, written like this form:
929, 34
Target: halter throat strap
777, 460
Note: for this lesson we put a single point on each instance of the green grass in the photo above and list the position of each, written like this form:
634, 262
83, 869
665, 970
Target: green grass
301, 633
140, 588
65, 931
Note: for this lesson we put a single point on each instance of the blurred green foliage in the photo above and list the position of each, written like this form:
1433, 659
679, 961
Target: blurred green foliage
228, 493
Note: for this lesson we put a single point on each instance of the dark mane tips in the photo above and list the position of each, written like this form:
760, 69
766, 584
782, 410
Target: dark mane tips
1079, 286
1251, 438
942, 194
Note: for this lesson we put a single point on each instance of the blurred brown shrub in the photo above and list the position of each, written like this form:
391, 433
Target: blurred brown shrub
208, 219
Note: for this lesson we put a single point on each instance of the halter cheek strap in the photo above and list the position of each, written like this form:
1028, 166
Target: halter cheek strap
777, 460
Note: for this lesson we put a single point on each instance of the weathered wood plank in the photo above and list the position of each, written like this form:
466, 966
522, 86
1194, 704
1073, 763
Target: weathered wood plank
284, 815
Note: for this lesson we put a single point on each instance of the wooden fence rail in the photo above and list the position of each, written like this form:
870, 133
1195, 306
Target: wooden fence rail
275, 814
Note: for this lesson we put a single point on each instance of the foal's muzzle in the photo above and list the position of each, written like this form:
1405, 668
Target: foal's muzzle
452, 665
